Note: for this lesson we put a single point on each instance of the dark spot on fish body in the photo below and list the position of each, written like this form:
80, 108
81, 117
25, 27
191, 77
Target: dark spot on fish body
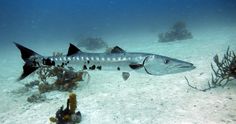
35, 63
92, 67
85, 67
88, 61
118, 68
99, 67
166, 61
62, 65
48, 62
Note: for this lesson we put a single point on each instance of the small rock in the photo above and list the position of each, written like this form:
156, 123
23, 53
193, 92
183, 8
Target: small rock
36, 98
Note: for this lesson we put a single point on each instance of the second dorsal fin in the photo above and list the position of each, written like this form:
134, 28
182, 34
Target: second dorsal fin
72, 50
117, 49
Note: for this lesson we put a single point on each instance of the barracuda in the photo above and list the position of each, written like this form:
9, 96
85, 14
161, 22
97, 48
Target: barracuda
115, 60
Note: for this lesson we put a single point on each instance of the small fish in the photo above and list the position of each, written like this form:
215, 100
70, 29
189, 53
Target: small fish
117, 59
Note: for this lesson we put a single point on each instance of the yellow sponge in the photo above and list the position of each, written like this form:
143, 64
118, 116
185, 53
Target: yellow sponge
72, 102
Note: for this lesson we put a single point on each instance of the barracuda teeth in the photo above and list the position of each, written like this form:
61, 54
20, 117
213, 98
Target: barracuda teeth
56, 59
108, 59
103, 59
113, 59
77, 58
64, 58
60, 59
92, 58
69, 58
97, 58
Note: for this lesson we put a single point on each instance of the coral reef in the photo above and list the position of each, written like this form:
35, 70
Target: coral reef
92, 43
177, 32
68, 115
224, 73
55, 78
65, 79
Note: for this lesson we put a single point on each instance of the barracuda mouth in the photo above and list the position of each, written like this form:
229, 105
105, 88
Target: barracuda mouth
190, 66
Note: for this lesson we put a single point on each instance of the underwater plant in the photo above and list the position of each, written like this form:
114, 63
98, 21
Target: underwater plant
177, 32
54, 78
65, 79
68, 115
224, 73
92, 43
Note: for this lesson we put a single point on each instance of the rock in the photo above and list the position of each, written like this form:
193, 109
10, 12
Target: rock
36, 98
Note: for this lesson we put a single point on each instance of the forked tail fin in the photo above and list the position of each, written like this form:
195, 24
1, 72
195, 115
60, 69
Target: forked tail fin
30, 65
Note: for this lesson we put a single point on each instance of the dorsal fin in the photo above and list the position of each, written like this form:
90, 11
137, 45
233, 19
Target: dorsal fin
117, 49
72, 50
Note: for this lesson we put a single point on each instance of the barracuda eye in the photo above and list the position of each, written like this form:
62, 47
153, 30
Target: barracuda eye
166, 61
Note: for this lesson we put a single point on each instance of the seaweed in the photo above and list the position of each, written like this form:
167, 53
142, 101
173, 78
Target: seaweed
92, 43
52, 78
224, 72
67, 115
177, 32
65, 79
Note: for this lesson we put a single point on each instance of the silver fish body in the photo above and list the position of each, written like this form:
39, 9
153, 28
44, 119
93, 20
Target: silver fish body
116, 60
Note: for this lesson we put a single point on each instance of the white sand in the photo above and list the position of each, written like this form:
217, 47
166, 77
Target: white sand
142, 99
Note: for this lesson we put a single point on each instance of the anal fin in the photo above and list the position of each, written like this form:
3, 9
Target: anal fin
125, 75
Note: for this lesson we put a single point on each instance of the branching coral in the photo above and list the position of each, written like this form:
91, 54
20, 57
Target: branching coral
66, 79
226, 69
177, 32
224, 73
55, 78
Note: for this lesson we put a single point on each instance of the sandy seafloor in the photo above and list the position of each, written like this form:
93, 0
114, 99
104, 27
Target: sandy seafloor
142, 99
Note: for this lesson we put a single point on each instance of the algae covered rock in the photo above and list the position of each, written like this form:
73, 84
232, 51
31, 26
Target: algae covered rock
177, 32
92, 43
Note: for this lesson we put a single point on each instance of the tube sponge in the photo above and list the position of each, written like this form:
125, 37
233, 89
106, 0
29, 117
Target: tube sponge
72, 102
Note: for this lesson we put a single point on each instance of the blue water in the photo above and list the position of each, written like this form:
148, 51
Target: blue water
63, 20
50, 25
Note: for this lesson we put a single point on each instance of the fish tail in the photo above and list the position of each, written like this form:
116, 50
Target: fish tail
30, 64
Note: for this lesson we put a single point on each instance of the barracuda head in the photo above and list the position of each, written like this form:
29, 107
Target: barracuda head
160, 65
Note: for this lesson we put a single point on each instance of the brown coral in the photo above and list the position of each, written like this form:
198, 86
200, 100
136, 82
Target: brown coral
66, 79
224, 72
